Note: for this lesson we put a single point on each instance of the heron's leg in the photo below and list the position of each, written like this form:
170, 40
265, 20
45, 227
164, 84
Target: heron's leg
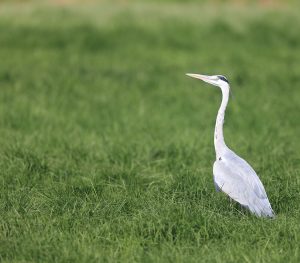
231, 203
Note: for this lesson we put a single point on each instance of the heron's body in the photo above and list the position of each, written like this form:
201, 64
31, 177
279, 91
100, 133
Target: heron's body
235, 177
232, 174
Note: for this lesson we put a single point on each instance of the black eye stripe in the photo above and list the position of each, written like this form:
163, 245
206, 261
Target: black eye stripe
223, 78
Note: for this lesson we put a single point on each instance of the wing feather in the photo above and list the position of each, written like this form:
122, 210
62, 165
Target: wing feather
235, 177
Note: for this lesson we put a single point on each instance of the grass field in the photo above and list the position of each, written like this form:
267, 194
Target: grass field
107, 147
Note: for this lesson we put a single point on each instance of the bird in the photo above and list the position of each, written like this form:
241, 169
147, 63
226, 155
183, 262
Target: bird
232, 174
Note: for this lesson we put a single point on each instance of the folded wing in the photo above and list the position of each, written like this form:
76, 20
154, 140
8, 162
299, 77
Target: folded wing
235, 177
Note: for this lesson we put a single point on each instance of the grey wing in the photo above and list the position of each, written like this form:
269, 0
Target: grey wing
235, 177
218, 189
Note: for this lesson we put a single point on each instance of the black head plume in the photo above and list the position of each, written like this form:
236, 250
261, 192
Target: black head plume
223, 78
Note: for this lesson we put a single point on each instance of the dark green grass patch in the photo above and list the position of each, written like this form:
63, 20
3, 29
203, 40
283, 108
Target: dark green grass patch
106, 146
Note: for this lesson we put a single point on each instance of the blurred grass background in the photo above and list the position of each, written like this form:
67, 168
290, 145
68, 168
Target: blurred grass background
107, 147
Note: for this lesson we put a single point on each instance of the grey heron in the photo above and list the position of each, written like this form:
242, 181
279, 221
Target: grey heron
232, 174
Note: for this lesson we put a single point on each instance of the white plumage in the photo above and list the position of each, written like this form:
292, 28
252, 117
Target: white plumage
233, 175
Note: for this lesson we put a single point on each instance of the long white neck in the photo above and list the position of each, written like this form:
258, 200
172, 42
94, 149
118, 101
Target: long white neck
219, 142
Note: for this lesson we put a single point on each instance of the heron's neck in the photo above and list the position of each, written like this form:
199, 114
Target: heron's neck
220, 145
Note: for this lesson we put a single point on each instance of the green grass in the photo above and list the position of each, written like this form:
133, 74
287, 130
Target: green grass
107, 147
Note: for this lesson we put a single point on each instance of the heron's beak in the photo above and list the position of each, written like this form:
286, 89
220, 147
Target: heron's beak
208, 79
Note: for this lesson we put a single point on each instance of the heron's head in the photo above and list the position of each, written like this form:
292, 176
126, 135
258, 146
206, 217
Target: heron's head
216, 80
